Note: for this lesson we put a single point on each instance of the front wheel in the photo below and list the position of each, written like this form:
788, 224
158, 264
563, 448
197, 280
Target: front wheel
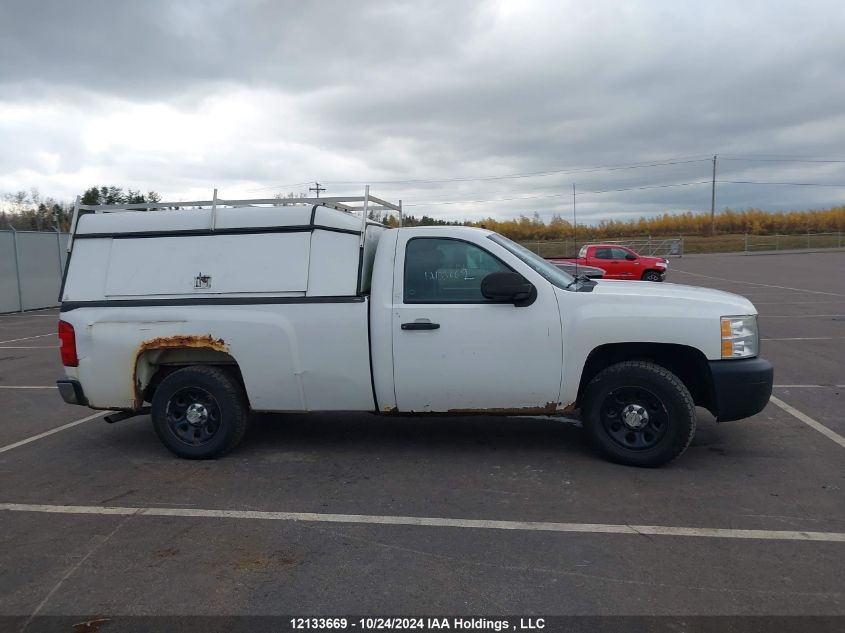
652, 275
639, 413
200, 412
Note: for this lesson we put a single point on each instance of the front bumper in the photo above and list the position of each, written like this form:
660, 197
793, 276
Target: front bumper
71, 392
741, 388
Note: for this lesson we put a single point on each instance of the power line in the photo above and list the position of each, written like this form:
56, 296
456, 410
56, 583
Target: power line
442, 202
780, 160
790, 184
551, 172
581, 193
679, 184
582, 170
277, 187
556, 195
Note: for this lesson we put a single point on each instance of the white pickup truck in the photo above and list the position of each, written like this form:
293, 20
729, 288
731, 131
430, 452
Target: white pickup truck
219, 309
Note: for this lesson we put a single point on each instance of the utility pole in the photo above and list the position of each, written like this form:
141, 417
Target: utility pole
575, 229
713, 200
318, 188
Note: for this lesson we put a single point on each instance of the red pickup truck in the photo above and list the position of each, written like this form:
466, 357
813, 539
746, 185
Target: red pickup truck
620, 262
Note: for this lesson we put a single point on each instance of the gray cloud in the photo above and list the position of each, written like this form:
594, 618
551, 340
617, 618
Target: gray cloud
248, 96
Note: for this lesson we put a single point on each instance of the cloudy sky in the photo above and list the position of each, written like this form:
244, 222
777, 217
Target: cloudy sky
437, 103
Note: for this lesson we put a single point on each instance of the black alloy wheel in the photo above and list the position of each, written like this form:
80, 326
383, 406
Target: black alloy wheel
200, 412
638, 413
193, 415
634, 418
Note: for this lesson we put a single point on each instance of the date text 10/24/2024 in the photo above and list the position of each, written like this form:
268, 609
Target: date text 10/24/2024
417, 624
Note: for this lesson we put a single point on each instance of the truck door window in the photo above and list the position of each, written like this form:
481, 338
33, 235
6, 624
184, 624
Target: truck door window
619, 253
604, 253
446, 271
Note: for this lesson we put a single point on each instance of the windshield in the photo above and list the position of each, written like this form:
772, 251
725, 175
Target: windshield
549, 271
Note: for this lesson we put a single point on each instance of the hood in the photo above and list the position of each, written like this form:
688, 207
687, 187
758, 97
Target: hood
727, 302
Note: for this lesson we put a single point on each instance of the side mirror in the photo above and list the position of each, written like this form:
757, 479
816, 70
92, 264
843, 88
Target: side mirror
630, 257
508, 288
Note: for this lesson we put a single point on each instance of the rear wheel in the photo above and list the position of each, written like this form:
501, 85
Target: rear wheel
200, 412
639, 413
652, 275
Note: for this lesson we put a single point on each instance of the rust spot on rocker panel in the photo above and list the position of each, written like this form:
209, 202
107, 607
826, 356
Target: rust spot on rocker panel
550, 408
569, 409
172, 342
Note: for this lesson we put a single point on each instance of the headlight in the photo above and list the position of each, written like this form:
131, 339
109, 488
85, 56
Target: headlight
739, 336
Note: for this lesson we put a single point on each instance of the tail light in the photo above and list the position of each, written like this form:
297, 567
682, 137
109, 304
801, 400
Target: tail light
67, 337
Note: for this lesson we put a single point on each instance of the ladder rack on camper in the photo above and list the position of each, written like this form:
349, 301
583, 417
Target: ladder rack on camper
349, 204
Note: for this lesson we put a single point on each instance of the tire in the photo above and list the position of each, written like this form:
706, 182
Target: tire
638, 413
652, 275
200, 412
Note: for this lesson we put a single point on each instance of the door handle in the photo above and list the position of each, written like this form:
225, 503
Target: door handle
421, 325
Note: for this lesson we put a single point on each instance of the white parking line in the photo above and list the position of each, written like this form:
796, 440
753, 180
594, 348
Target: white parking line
20, 315
28, 387
58, 429
808, 386
29, 346
794, 303
26, 338
794, 338
478, 524
800, 316
751, 283
12, 322
806, 419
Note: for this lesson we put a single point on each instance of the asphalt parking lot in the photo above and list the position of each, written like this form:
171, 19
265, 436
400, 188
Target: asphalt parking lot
212, 538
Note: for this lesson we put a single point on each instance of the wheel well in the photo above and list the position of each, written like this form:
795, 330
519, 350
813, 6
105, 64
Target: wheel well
153, 366
687, 363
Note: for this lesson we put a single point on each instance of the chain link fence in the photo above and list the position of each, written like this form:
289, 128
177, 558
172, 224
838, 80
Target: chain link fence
803, 241
31, 268
658, 246
687, 244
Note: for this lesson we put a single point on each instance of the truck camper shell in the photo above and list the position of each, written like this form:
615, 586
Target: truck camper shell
313, 247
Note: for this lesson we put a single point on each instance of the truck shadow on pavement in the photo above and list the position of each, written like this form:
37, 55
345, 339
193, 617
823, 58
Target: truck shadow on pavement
361, 434
351, 432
